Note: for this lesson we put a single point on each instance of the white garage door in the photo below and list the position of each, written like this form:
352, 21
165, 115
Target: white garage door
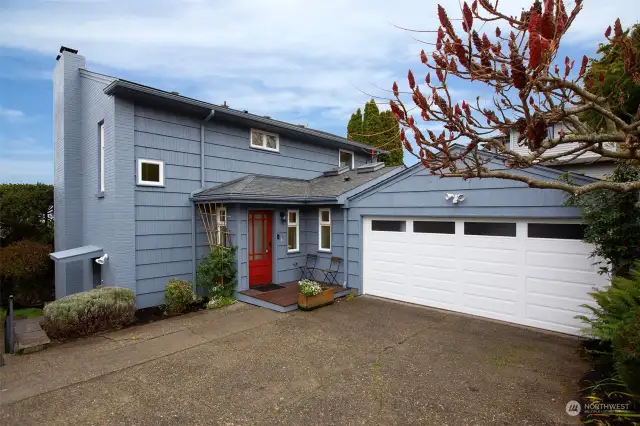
534, 273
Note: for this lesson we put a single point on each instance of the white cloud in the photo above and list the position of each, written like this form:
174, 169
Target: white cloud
306, 61
11, 115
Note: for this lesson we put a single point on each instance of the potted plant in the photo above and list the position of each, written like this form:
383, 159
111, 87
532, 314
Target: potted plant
312, 295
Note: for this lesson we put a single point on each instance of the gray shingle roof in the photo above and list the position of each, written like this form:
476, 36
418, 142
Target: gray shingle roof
322, 187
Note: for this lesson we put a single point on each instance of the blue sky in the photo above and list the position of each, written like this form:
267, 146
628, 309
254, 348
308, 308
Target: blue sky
310, 62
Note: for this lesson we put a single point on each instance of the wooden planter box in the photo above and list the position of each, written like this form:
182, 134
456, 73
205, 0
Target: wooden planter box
307, 303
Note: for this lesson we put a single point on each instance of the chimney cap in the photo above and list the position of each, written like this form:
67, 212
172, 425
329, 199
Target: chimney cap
68, 49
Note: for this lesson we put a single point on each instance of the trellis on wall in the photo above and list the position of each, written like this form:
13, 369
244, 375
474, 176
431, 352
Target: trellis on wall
214, 221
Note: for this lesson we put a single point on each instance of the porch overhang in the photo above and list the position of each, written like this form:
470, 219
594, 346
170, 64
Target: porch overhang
77, 253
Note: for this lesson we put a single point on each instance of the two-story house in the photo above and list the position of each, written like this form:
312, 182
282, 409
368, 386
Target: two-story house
146, 180
588, 164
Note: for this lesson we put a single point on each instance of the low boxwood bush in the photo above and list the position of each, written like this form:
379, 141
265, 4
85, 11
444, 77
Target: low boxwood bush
616, 322
177, 296
90, 311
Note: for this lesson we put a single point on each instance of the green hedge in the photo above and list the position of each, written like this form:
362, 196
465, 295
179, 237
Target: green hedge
90, 311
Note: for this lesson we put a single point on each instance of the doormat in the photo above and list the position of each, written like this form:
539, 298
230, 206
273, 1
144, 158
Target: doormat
267, 287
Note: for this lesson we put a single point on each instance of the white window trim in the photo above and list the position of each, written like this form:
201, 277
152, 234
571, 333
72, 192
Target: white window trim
219, 221
101, 153
353, 157
150, 183
297, 225
322, 223
264, 147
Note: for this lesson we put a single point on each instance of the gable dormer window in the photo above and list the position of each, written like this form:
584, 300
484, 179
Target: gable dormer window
265, 140
346, 159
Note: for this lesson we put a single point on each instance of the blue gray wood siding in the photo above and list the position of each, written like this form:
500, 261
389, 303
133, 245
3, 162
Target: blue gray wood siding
416, 193
163, 215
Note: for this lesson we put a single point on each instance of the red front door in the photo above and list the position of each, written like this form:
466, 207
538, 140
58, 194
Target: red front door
260, 256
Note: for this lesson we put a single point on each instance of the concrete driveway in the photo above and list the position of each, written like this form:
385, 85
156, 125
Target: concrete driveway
363, 361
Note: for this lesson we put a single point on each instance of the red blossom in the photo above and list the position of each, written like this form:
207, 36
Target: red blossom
535, 51
467, 18
607, 33
617, 28
439, 39
412, 81
395, 89
457, 110
427, 79
601, 77
440, 75
498, 32
583, 67
423, 57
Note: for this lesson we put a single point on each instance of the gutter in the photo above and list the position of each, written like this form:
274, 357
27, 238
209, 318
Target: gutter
253, 198
124, 85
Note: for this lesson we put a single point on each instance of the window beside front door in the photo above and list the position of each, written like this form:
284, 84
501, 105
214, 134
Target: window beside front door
324, 217
293, 231
345, 159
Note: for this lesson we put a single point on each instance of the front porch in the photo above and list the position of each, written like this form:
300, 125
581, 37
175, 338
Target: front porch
283, 299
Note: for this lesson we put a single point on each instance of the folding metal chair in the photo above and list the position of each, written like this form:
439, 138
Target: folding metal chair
331, 274
307, 270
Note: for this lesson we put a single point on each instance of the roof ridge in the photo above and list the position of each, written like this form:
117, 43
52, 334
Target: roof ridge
247, 180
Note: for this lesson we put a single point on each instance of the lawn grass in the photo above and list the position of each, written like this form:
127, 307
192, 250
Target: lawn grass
22, 313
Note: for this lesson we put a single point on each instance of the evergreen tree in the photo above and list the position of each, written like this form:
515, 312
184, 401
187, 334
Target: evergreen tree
354, 128
379, 129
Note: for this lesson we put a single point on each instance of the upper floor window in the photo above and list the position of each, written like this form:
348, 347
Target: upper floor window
346, 159
150, 172
264, 140
324, 217
101, 156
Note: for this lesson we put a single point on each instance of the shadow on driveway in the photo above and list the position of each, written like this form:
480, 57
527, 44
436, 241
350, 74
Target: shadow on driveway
363, 361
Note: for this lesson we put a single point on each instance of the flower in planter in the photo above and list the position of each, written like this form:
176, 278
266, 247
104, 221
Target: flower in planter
309, 288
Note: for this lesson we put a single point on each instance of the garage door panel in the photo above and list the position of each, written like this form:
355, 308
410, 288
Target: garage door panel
564, 275
556, 302
549, 245
491, 243
554, 316
490, 305
575, 291
499, 256
539, 282
510, 270
578, 262
489, 280
436, 271
492, 292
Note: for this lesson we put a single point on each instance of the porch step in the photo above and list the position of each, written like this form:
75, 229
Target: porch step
29, 336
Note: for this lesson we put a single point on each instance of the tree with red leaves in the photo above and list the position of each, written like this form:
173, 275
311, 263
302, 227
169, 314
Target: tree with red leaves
532, 92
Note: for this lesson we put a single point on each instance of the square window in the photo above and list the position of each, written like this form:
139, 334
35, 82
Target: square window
150, 172
345, 159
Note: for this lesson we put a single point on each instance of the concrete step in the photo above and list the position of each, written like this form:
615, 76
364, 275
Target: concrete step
29, 336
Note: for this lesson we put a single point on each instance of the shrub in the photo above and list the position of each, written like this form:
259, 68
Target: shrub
217, 273
616, 321
177, 296
27, 271
612, 222
309, 288
220, 302
26, 212
90, 311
